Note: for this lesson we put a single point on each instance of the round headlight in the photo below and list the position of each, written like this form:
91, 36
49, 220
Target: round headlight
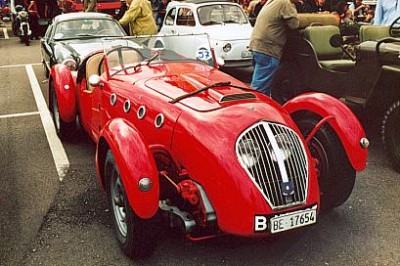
249, 152
227, 47
70, 63
284, 150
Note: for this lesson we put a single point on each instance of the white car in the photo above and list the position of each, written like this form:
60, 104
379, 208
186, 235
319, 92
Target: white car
225, 23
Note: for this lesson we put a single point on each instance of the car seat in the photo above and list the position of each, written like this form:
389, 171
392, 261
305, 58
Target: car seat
328, 57
373, 32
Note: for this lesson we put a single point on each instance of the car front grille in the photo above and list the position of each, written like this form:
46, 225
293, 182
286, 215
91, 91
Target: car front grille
275, 159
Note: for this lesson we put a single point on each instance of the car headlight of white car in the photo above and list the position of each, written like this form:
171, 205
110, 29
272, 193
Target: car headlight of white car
227, 47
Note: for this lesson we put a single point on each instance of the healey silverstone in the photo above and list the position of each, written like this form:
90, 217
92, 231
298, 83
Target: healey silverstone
182, 142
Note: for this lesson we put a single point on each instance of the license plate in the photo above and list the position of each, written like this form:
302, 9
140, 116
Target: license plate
293, 220
246, 54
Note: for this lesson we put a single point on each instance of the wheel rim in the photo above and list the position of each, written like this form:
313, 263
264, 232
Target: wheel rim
118, 202
56, 113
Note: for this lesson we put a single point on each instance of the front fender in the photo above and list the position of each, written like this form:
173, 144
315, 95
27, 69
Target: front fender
135, 161
64, 86
344, 123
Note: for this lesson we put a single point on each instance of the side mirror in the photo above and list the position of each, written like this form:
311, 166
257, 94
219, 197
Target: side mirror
336, 40
94, 80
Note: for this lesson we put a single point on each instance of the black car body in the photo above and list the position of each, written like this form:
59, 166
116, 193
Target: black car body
71, 37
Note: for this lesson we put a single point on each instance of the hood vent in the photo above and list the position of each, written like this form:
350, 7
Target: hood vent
236, 97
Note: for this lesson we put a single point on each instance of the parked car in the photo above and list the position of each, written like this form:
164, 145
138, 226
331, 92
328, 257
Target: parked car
225, 23
71, 37
111, 7
366, 80
179, 141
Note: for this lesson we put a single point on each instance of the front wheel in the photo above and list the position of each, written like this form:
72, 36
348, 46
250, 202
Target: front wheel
336, 176
391, 134
64, 130
136, 236
26, 36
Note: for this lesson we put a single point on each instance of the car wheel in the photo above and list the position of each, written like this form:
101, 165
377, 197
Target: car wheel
391, 134
158, 44
45, 69
336, 176
136, 236
65, 130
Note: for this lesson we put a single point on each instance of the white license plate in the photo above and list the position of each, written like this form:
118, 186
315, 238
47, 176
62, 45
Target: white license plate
246, 54
293, 220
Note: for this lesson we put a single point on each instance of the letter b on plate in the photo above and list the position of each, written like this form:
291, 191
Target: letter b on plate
260, 223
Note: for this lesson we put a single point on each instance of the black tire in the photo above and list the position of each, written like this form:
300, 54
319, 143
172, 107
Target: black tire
45, 69
65, 130
336, 176
158, 44
391, 134
136, 236
26, 36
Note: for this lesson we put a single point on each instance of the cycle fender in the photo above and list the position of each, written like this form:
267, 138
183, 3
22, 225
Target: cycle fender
64, 86
343, 122
135, 162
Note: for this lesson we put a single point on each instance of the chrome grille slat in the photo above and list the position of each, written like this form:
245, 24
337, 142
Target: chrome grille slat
277, 168
271, 165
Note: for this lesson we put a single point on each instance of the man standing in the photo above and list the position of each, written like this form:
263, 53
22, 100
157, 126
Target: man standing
139, 16
89, 5
268, 40
386, 12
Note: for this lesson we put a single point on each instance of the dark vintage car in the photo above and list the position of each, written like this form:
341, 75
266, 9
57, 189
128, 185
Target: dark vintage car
71, 37
183, 144
366, 78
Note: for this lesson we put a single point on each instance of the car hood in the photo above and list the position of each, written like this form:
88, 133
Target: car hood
174, 86
229, 32
82, 47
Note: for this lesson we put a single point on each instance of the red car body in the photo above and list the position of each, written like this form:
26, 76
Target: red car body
205, 155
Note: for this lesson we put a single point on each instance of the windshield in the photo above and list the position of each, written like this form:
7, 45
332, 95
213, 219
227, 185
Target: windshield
126, 55
221, 13
87, 28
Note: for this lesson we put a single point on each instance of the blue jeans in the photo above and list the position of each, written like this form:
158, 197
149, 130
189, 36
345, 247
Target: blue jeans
265, 67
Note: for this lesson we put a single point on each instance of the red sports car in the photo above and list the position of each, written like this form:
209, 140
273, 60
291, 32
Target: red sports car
182, 142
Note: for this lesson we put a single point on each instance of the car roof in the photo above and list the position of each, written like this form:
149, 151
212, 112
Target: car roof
199, 2
81, 15
205, 1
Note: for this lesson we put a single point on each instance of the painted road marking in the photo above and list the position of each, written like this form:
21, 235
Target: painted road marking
56, 147
20, 65
18, 115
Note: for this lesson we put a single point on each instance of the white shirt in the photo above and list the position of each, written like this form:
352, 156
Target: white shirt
386, 12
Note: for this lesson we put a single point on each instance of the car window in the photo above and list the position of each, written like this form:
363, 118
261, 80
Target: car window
218, 14
87, 27
185, 17
170, 17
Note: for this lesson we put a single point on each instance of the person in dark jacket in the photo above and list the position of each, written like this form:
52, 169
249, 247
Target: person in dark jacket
161, 10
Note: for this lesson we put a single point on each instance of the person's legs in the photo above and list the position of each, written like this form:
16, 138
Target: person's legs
265, 67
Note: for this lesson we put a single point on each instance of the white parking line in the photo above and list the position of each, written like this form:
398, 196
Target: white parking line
20, 65
57, 149
18, 115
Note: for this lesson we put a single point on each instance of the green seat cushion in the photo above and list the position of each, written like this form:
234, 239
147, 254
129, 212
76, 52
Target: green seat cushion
342, 65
